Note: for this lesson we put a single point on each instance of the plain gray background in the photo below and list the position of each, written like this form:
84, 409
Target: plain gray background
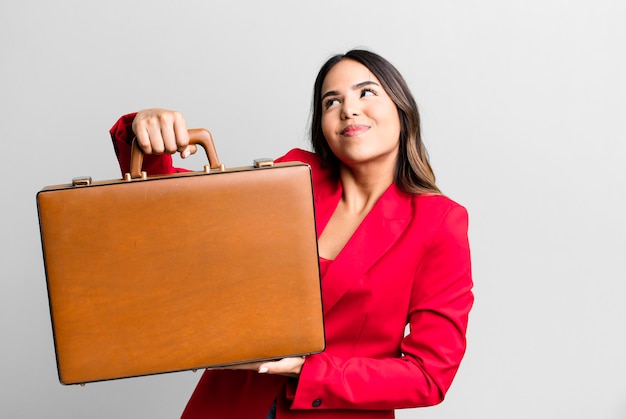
523, 106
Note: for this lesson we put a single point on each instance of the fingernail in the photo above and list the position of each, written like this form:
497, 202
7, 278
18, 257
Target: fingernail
263, 370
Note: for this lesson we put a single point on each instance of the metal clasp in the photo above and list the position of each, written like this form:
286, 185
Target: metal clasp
260, 163
81, 181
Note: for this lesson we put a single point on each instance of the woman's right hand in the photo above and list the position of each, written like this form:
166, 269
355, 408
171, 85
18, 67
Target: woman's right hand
161, 131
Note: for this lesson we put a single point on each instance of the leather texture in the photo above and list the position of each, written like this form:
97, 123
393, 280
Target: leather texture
181, 272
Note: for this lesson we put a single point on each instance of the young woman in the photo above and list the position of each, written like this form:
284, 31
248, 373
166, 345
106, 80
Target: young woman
393, 252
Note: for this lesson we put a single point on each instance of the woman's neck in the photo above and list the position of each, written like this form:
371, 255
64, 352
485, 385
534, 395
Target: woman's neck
362, 188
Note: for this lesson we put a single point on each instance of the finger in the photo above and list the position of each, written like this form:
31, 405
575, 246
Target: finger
174, 132
169, 138
180, 131
140, 129
250, 366
275, 367
285, 366
141, 136
156, 138
143, 139
188, 151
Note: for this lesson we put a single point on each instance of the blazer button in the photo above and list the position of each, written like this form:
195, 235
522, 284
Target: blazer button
316, 403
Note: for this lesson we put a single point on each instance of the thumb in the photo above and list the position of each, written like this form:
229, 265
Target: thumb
188, 151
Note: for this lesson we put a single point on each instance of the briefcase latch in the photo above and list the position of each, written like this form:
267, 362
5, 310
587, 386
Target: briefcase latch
81, 181
260, 163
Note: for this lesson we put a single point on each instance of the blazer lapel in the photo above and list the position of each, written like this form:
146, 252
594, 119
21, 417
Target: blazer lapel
380, 229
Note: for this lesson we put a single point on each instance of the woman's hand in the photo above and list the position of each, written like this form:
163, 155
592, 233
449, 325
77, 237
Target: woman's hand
161, 131
287, 366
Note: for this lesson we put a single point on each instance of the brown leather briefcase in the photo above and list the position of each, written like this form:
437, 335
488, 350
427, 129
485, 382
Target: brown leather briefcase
211, 268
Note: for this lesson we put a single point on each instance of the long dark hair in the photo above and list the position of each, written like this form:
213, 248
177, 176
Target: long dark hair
413, 171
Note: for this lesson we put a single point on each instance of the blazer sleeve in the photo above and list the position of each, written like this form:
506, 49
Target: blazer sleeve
122, 136
440, 302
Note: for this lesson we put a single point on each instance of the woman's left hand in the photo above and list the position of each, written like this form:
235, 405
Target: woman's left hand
287, 366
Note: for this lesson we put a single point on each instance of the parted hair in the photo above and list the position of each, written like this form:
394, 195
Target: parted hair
413, 173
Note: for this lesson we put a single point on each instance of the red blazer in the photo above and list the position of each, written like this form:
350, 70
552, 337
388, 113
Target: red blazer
407, 263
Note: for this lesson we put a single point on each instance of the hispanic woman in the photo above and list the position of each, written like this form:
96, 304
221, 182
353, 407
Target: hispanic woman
394, 257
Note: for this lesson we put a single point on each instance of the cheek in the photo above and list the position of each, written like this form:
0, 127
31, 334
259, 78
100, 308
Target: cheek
392, 122
327, 127
397, 128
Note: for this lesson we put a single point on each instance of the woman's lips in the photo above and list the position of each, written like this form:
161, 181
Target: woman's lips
353, 130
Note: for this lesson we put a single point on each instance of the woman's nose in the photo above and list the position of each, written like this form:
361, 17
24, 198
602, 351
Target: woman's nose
349, 108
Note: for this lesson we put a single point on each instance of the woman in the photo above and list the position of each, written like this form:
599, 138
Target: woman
393, 252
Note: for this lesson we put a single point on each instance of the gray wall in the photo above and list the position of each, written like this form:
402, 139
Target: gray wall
523, 105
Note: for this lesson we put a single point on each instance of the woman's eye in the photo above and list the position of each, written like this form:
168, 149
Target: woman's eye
367, 92
330, 102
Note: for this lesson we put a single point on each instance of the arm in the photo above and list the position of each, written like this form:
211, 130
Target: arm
438, 311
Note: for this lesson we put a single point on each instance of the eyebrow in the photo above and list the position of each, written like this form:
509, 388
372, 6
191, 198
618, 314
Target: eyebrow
355, 87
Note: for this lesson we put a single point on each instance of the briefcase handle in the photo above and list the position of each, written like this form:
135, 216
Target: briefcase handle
199, 136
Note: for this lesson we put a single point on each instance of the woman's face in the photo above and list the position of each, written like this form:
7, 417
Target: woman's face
359, 120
